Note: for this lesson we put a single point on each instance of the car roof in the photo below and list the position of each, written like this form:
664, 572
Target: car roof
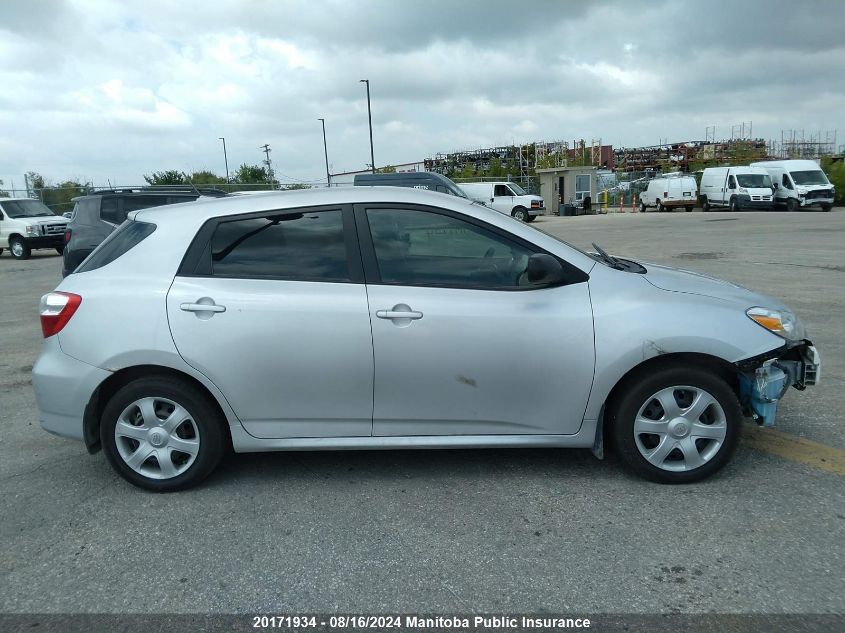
204, 209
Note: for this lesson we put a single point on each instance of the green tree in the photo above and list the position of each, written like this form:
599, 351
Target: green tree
387, 169
254, 175
294, 186
205, 177
168, 177
835, 170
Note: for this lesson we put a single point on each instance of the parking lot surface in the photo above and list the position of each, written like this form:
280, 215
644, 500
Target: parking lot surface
449, 531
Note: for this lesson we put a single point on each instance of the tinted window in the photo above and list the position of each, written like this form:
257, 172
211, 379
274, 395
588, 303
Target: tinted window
134, 203
502, 190
109, 211
306, 246
731, 182
127, 236
786, 182
426, 248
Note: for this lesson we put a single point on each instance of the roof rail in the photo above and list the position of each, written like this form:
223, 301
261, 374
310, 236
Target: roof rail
206, 191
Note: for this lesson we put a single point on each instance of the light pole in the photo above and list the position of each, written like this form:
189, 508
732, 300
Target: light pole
225, 158
370, 119
326, 152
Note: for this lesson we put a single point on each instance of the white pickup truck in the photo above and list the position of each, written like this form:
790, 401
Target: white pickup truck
27, 224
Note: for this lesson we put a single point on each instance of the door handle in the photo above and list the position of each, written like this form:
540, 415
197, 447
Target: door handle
399, 314
202, 307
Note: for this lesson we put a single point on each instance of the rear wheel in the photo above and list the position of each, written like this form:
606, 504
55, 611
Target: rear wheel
162, 434
521, 214
792, 204
676, 425
690, 209
19, 248
705, 204
60, 249
660, 207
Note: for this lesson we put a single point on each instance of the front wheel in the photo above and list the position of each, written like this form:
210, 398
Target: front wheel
19, 248
643, 208
521, 214
162, 434
734, 205
825, 207
676, 425
792, 204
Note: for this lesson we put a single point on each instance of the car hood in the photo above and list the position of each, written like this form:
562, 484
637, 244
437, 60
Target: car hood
51, 220
677, 280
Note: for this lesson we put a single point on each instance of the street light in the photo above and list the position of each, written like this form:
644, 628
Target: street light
225, 158
370, 119
326, 152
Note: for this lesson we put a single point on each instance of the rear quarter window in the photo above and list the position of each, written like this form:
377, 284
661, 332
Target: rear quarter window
127, 236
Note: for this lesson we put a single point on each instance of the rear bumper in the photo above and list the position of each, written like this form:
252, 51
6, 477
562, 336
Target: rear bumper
63, 388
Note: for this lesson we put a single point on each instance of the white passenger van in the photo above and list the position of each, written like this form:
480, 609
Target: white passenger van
736, 188
799, 184
670, 191
505, 197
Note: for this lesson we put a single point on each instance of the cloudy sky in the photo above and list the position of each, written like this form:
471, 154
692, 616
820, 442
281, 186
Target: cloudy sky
101, 90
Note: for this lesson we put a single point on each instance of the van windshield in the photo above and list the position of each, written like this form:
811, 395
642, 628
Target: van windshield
27, 209
812, 177
517, 189
754, 181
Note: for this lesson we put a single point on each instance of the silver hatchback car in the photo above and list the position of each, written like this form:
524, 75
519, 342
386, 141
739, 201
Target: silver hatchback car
381, 317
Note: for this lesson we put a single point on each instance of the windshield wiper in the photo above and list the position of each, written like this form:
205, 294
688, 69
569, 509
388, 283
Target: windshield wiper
610, 260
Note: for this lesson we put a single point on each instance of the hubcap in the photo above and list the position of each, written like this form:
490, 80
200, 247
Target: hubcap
157, 438
680, 428
17, 248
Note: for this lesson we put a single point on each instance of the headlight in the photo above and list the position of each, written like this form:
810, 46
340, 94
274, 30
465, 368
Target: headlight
32, 229
780, 322
743, 190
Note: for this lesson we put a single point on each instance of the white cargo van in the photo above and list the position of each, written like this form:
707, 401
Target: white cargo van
736, 188
668, 192
505, 197
27, 224
799, 184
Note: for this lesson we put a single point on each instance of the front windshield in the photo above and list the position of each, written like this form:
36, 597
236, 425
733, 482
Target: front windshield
812, 177
754, 181
26, 209
517, 189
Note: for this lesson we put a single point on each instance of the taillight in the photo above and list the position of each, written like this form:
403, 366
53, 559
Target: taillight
68, 233
665, 194
56, 309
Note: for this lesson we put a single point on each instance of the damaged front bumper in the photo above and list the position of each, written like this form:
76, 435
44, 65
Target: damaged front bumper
765, 379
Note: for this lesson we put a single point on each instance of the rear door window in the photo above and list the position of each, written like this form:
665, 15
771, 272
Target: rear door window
292, 245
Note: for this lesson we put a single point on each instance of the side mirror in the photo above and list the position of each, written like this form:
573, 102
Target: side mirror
774, 185
544, 270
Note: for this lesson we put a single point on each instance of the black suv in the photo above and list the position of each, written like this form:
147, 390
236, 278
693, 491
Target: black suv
96, 215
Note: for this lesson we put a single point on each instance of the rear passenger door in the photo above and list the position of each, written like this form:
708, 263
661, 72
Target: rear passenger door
273, 309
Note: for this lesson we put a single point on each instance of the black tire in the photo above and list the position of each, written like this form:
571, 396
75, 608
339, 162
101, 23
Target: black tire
521, 214
206, 417
19, 248
643, 208
825, 207
660, 207
60, 249
633, 396
1, 251
531, 218
734, 205
792, 204
689, 209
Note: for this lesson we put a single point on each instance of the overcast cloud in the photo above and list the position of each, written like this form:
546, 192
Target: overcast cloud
107, 90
